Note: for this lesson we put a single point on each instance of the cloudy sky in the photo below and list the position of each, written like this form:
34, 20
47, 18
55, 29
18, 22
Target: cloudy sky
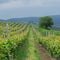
28, 8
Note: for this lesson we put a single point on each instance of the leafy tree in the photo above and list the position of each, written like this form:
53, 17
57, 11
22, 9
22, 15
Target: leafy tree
46, 22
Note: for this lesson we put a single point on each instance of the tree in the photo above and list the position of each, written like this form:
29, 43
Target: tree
46, 22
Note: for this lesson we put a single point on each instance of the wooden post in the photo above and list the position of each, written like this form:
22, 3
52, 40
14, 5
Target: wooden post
7, 30
48, 33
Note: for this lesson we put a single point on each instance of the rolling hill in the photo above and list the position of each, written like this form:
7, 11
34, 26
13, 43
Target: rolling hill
56, 19
24, 20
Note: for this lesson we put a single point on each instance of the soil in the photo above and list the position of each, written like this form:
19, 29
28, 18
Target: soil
44, 54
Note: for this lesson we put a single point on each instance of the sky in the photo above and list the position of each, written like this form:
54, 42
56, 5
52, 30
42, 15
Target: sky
28, 8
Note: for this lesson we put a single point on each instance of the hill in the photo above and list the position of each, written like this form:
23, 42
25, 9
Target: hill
56, 19
24, 20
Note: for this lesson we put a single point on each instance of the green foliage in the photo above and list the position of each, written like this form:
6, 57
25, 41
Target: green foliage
8, 44
46, 22
50, 43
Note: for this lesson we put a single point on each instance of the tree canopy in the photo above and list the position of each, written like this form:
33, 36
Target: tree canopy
46, 22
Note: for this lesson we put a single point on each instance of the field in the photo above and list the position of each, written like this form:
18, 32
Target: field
28, 42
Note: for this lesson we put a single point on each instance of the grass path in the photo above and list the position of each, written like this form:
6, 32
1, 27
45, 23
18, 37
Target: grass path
32, 51
29, 50
21, 51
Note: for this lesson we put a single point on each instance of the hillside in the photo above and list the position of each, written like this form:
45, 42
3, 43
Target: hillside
25, 20
56, 19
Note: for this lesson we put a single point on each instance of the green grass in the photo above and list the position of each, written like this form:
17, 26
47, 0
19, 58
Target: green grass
21, 51
37, 54
32, 53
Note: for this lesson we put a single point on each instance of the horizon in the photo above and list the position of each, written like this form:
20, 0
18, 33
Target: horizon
28, 17
28, 8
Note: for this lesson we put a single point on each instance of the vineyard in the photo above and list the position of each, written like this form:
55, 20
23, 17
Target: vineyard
27, 42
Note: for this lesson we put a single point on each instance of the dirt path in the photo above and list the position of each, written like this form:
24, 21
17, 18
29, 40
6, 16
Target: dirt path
42, 51
44, 54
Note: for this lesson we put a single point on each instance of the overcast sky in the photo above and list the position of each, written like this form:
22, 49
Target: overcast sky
28, 8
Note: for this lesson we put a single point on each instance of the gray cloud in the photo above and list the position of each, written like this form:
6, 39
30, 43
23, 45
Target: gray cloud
6, 4
3, 1
22, 8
